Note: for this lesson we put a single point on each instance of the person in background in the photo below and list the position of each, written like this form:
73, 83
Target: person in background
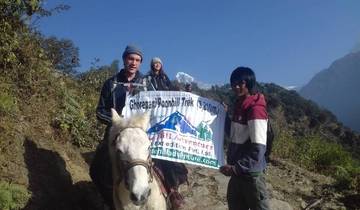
246, 152
113, 95
156, 77
174, 174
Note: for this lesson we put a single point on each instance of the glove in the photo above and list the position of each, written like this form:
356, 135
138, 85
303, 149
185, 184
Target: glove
228, 170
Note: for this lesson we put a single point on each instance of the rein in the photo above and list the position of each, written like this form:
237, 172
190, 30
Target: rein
125, 165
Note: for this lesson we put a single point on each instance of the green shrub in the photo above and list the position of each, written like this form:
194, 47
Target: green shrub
355, 182
13, 196
307, 151
348, 178
317, 154
283, 145
7, 103
72, 120
333, 155
343, 177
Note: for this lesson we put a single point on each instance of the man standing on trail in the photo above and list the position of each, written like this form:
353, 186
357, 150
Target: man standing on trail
246, 152
113, 95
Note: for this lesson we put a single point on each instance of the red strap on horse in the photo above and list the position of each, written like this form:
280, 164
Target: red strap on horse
159, 176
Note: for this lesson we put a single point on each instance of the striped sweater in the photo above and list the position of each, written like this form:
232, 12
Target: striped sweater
248, 135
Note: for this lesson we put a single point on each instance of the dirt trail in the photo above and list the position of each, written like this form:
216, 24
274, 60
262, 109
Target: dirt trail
57, 176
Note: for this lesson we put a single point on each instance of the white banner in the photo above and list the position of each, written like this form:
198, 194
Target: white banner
184, 127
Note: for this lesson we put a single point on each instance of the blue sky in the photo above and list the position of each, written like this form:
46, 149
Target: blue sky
285, 42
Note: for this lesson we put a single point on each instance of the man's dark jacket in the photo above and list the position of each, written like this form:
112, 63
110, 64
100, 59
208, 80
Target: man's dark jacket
113, 95
158, 81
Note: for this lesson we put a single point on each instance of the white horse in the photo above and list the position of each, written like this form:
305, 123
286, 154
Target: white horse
135, 186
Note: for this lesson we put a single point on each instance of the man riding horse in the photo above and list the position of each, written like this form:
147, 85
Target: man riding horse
113, 95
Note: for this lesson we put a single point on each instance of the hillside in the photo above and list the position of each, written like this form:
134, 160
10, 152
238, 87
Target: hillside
335, 89
48, 135
48, 159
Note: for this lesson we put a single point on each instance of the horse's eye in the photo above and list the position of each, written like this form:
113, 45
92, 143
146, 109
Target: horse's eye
115, 140
119, 152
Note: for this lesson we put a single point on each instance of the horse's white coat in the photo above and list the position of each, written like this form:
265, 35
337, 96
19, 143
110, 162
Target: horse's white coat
131, 144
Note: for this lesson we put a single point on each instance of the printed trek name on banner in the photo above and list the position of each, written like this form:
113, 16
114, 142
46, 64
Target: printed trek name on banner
184, 127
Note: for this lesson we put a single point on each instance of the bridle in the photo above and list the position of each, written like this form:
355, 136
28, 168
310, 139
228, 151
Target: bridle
124, 165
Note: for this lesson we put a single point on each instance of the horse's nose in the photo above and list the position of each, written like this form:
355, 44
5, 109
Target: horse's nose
139, 200
147, 193
133, 197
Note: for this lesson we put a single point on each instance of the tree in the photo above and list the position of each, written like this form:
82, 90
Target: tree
114, 66
15, 16
12, 30
63, 54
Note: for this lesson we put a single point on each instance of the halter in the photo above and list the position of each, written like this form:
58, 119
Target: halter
125, 165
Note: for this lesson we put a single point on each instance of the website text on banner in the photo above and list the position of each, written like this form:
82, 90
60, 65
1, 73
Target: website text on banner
184, 127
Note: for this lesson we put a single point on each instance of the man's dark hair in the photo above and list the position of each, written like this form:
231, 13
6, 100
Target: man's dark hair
245, 74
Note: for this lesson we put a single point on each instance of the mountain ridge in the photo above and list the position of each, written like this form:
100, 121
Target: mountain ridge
335, 89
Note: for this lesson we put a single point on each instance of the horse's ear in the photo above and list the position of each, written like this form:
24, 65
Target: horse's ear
145, 120
142, 120
115, 118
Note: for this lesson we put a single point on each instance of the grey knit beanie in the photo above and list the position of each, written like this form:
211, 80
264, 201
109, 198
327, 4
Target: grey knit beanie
156, 60
130, 49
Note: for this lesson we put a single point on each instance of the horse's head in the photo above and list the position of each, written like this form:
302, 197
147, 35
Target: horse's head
130, 152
